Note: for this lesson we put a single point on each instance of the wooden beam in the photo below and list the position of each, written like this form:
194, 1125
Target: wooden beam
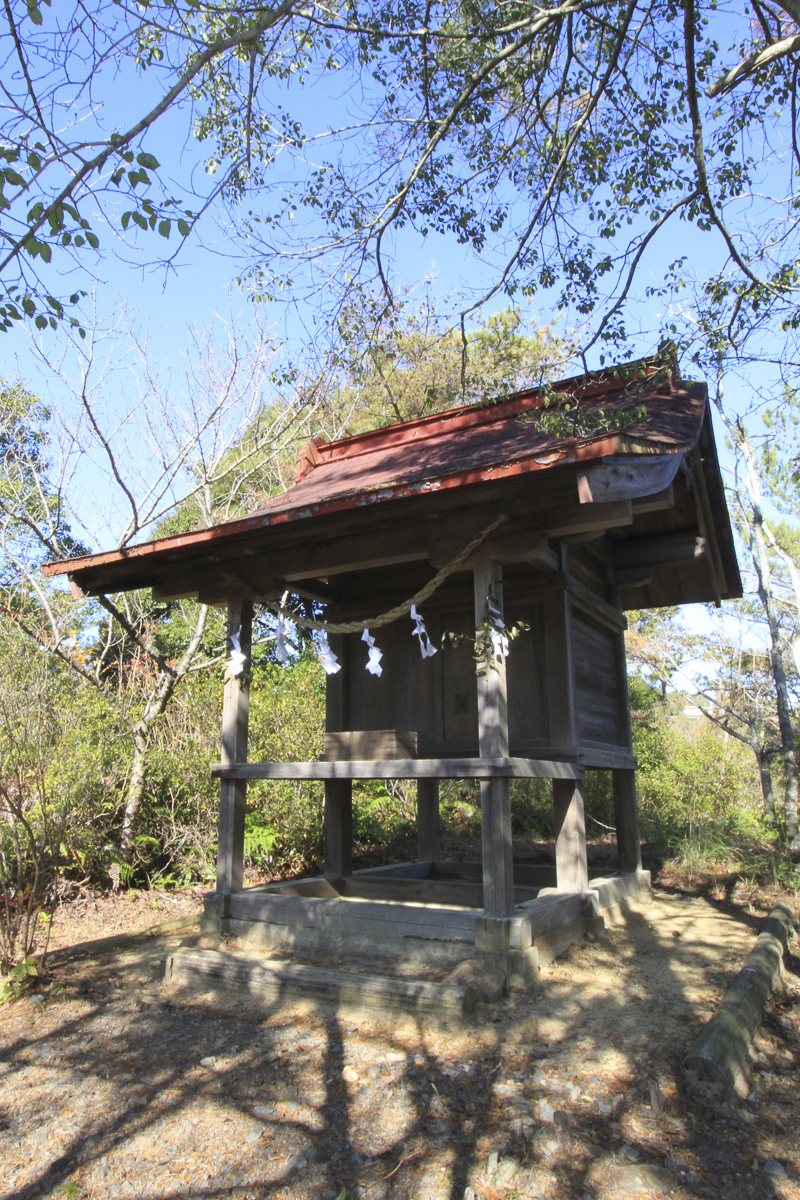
255, 585
514, 541
633, 577
316, 558
627, 478
250, 572
586, 518
656, 503
660, 551
411, 768
233, 791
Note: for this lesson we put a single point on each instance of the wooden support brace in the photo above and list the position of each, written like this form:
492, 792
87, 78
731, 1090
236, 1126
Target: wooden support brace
233, 792
572, 873
428, 820
626, 818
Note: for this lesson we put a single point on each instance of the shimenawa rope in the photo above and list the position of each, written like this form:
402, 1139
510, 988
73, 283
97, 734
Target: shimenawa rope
400, 610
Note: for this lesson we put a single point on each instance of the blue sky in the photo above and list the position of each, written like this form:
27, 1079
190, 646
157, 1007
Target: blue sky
167, 302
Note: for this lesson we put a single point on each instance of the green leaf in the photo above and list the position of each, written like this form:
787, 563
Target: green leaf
183, 227
164, 228
147, 160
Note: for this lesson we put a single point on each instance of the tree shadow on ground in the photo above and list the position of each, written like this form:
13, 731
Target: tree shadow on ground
570, 1090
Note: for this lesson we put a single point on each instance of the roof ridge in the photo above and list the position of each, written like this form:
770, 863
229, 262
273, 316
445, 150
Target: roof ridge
316, 451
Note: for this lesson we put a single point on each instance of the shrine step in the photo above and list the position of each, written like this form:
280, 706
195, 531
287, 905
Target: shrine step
268, 981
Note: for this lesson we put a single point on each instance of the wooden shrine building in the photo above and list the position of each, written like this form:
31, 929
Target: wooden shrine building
559, 509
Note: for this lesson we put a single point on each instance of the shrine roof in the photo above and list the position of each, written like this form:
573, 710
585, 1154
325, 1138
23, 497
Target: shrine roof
510, 437
639, 410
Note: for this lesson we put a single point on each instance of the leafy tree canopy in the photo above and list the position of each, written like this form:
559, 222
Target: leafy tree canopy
553, 141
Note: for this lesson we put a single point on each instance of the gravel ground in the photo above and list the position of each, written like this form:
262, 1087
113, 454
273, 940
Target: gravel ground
110, 1087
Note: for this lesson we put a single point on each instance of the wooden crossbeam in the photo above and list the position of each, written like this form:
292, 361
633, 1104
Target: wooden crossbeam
660, 551
411, 768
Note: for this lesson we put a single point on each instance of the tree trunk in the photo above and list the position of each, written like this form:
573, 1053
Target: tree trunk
765, 777
156, 705
766, 594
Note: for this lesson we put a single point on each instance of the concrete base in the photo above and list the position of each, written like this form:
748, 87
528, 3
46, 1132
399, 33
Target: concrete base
230, 977
346, 944
426, 914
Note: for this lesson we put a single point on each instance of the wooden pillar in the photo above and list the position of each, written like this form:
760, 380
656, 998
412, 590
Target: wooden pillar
338, 814
233, 792
427, 820
572, 874
338, 822
626, 818
498, 865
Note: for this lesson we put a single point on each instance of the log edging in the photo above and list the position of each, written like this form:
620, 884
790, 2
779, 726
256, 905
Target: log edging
718, 1067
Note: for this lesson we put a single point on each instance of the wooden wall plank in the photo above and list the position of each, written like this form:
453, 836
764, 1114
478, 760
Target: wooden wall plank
559, 672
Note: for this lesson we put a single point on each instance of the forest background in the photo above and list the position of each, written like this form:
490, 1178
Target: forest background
629, 170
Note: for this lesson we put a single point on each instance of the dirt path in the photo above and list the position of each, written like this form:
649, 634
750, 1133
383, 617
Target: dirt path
109, 1089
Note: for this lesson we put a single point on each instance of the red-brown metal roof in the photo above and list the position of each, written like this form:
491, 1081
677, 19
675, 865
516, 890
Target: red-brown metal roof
476, 444
472, 445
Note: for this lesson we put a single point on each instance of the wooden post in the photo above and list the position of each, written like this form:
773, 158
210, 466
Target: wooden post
498, 864
626, 818
338, 815
338, 822
572, 874
427, 820
233, 792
